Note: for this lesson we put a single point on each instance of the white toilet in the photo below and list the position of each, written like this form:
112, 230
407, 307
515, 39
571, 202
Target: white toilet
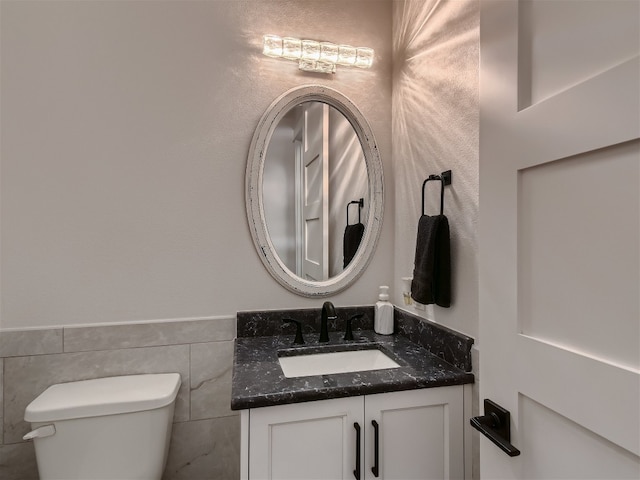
115, 428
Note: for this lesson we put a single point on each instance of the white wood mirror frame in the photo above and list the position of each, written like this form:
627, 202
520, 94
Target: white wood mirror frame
254, 191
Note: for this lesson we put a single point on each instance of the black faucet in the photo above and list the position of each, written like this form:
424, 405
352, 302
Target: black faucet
348, 333
299, 340
328, 313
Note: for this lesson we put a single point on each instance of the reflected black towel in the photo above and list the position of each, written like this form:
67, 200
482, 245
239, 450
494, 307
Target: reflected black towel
352, 238
432, 270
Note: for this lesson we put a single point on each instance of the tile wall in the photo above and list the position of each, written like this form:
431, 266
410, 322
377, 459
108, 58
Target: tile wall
205, 443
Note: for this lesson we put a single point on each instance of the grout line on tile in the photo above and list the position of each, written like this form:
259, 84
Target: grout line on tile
190, 376
102, 349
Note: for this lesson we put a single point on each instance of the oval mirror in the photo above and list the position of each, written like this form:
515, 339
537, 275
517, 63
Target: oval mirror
314, 191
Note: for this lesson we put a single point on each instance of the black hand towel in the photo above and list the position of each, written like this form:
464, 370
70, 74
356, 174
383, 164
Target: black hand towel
432, 269
352, 238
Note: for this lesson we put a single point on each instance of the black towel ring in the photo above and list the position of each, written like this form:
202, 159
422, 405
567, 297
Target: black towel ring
445, 179
360, 205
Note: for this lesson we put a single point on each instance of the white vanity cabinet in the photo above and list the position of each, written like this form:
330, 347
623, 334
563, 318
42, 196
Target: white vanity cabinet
420, 435
304, 440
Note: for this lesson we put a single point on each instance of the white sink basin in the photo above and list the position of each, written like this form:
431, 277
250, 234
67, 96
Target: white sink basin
335, 362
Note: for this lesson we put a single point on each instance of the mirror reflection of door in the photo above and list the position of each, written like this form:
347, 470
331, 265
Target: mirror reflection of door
313, 244
314, 166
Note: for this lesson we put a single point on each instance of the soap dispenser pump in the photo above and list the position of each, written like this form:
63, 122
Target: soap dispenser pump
383, 318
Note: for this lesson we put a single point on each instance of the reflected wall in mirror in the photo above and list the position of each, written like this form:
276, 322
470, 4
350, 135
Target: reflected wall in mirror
314, 169
314, 191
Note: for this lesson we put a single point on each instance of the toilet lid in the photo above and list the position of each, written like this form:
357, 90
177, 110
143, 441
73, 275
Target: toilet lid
103, 396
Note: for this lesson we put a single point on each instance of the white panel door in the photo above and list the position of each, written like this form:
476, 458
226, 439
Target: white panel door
559, 235
315, 171
305, 441
420, 434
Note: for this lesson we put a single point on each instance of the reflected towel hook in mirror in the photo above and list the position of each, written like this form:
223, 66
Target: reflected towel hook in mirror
360, 204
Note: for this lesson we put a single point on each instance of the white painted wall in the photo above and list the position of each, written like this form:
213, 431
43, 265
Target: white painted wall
125, 131
435, 128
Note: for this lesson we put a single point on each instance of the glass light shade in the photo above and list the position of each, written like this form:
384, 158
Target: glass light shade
310, 50
346, 55
291, 48
316, 56
328, 52
325, 67
364, 57
316, 66
272, 45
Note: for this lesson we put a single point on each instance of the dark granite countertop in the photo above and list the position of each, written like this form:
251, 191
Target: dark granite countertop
258, 380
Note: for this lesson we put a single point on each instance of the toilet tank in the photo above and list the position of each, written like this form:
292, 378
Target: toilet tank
106, 428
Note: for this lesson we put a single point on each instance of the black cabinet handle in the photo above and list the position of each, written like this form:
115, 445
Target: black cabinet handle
495, 424
356, 472
376, 445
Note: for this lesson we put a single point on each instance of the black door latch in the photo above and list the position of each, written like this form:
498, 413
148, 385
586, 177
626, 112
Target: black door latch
495, 424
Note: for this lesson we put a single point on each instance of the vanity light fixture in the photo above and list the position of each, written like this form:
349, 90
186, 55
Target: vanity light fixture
313, 56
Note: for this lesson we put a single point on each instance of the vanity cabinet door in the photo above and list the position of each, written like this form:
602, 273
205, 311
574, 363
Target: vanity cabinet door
312, 440
420, 434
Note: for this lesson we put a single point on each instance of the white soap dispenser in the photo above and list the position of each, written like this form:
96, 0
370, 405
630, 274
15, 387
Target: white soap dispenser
383, 317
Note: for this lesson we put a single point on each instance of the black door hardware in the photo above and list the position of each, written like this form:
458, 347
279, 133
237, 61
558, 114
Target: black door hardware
376, 445
495, 424
356, 472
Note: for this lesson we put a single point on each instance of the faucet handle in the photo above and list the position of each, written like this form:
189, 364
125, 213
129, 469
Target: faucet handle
348, 334
298, 340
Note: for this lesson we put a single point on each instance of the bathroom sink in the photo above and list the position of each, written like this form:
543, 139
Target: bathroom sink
305, 365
